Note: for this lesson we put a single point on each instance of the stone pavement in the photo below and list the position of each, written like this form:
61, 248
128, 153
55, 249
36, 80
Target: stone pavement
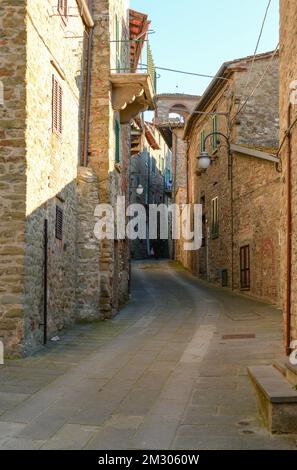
164, 374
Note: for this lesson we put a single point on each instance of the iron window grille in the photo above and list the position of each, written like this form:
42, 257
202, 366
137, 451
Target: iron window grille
57, 106
59, 223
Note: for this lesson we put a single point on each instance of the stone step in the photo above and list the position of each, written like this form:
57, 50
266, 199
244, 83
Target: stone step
281, 366
291, 373
277, 399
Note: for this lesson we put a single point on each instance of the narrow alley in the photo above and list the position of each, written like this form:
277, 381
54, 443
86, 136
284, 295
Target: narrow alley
169, 372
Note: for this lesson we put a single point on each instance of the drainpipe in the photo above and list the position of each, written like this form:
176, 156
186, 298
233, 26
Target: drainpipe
289, 237
45, 269
230, 169
87, 92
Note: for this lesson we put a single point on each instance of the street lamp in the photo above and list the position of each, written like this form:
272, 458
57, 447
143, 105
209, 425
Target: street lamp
139, 189
204, 159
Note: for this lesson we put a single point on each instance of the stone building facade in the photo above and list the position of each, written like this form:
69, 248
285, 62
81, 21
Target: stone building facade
171, 116
288, 143
150, 181
240, 194
41, 75
118, 94
57, 161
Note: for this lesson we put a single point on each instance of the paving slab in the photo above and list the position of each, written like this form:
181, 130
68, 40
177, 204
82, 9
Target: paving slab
157, 376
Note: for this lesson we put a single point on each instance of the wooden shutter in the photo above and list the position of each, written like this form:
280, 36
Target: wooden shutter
215, 129
215, 217
117, 141
245, 267
59, 223
57, 106
202, 137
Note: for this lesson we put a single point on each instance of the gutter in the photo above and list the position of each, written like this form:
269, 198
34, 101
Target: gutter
85, 13
255, 153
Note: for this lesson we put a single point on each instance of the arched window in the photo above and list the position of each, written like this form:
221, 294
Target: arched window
179, 111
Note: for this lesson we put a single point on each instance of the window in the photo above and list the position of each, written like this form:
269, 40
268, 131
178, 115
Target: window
63, 9
117, 141
245, 267
215, 217
214, 129
118, 44
202, 137
57, 103
59, 223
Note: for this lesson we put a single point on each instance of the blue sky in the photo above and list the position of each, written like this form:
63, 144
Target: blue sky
198, 36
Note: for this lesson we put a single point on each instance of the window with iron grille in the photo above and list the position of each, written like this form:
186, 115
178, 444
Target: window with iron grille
245, 270
215, 217
57, 106
63, 9
59, 223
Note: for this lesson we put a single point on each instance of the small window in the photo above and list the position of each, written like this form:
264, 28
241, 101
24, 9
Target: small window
117, 141
63, 9
214, 129
57, 104
215, 217
202, 137
59, 223
245, 275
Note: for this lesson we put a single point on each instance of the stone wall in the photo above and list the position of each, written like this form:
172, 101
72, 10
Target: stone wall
260, 128
12, 172
288, 74
88, 279
256, 198
101, 153
39, 168
52, 162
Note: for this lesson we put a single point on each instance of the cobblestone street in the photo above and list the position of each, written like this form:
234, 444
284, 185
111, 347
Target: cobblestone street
166, 373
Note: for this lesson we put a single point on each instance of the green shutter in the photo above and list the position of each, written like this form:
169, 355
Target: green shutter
117, 142
215, 129
202, 137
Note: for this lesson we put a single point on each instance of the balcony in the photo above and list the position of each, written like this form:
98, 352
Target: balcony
133, 89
